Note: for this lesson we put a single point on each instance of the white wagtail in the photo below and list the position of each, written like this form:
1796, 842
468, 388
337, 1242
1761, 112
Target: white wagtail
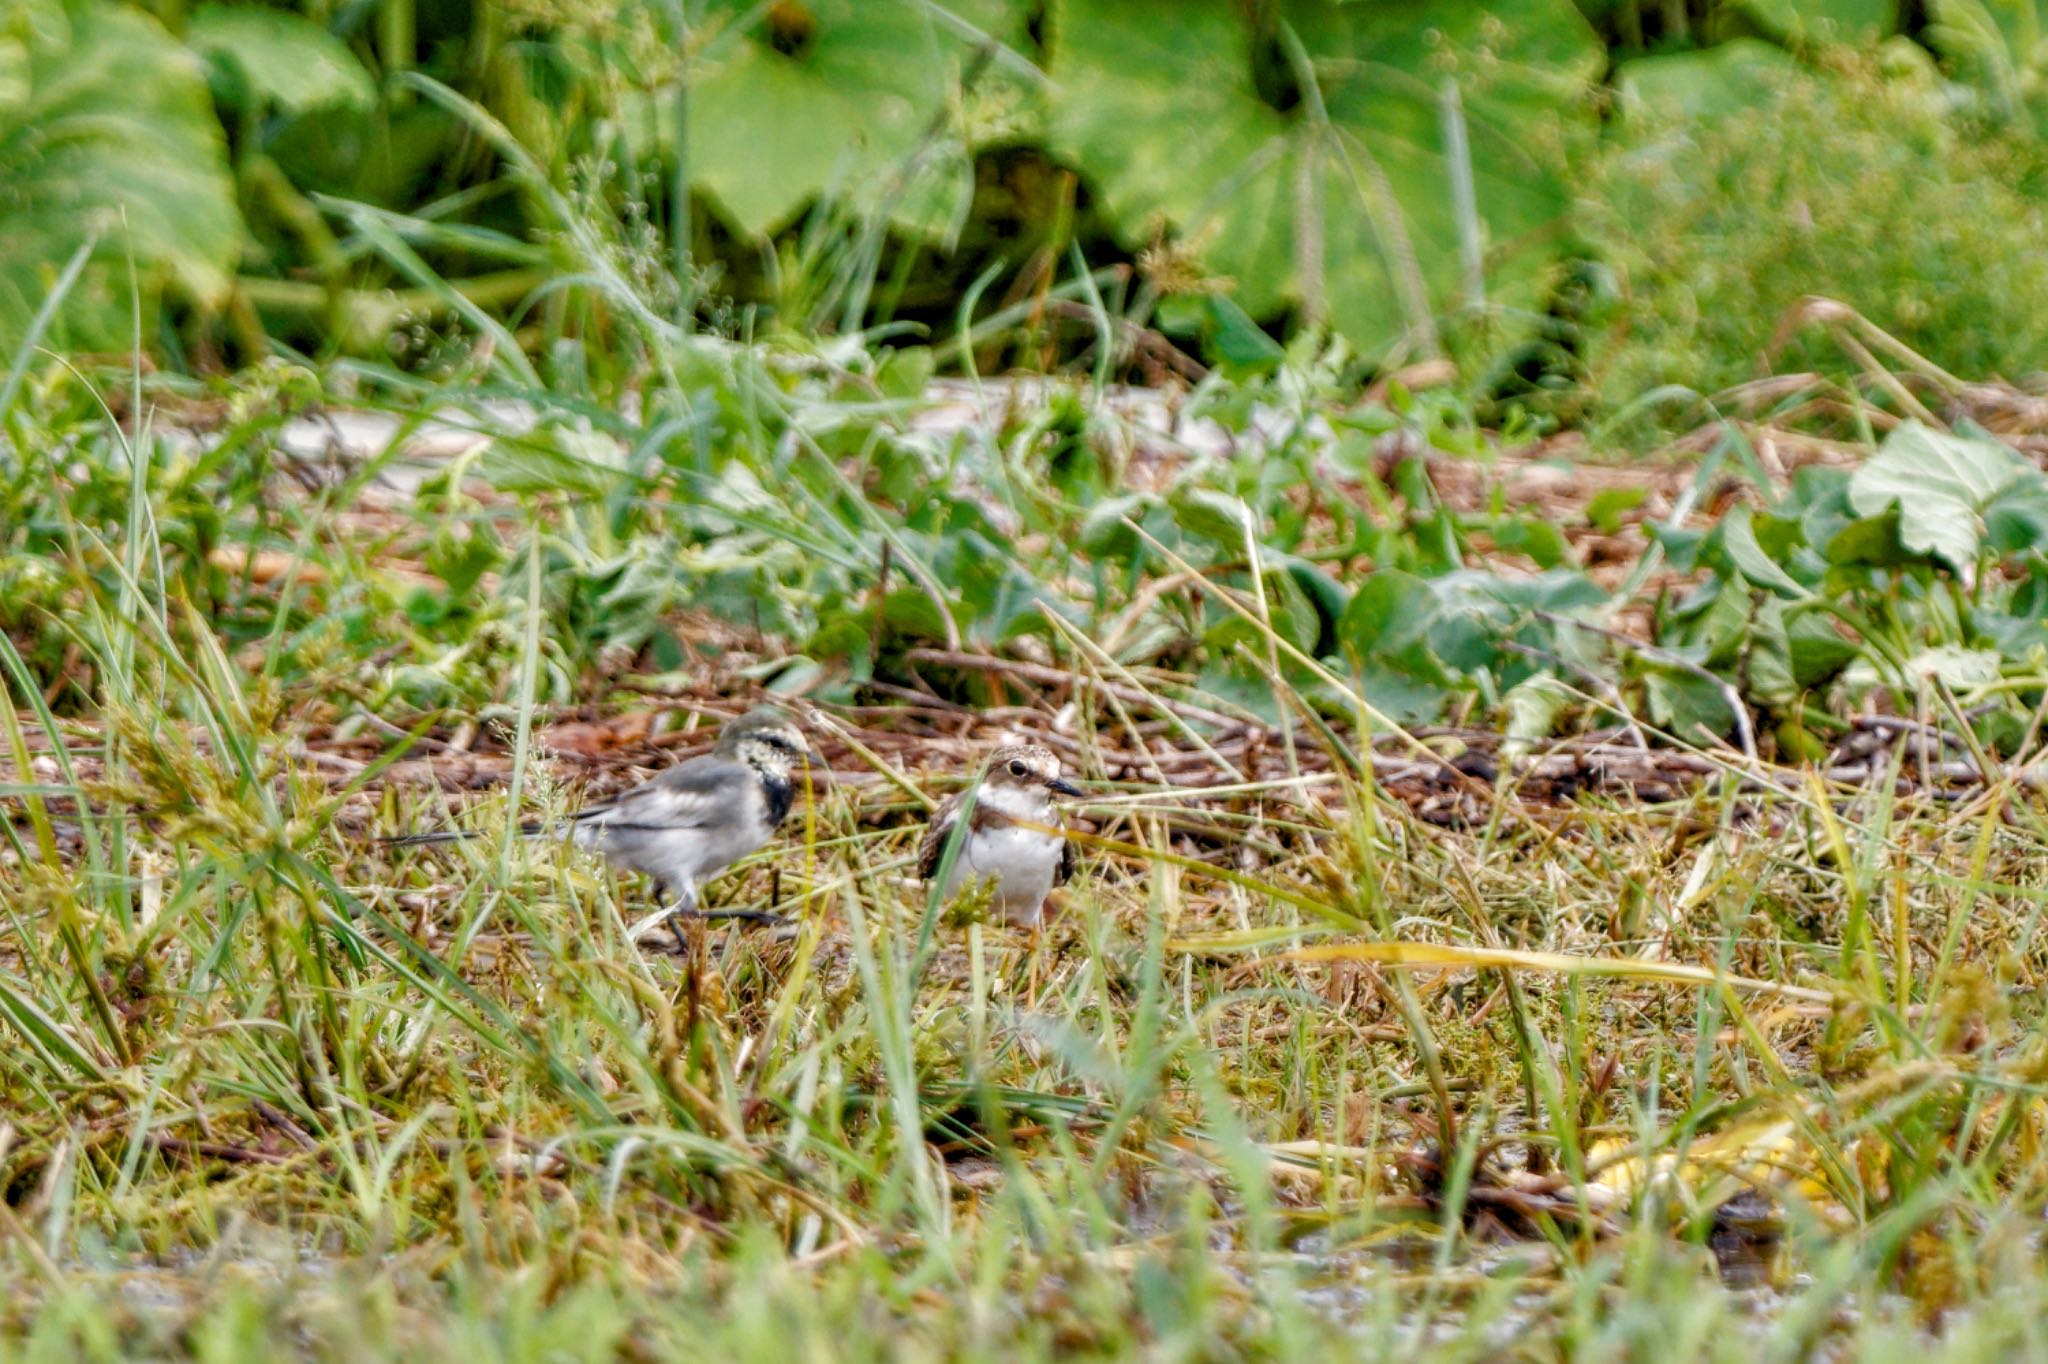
1014, 838
695, 819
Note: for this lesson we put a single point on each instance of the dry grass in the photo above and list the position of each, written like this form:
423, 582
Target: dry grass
1354, 1040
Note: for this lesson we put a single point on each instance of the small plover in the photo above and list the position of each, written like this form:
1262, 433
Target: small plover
1014, 838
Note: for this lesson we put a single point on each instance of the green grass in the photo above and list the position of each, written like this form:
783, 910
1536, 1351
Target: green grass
1298, 1069
1842, 183
272, 1086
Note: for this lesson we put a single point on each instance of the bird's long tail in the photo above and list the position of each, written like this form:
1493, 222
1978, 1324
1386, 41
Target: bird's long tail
530, 829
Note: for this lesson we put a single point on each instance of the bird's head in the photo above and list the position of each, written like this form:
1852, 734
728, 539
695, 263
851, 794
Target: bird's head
765, 737
1030, 768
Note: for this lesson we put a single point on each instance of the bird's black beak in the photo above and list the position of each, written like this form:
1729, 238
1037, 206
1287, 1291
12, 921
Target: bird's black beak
1061, 786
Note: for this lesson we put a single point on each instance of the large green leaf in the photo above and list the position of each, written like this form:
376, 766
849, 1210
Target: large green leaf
1685, 704
811, 97
1196, 117
1705, 84
1417, 641
1843, 21
1386, 631
1737, 538
110, 133
1941, 484
273, 57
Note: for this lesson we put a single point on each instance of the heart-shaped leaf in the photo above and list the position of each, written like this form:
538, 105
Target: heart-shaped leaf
1331, 186
114, 137
1718, 80
1941, 484
1808, 21
1737, 540
279, 59
811, 97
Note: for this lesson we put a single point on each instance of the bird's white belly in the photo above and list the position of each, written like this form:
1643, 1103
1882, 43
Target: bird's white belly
1020, 861
680, 858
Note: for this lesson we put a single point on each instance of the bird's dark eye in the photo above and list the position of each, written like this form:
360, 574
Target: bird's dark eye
1016, 768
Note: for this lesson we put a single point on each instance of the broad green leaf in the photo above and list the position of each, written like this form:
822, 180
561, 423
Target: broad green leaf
1103, 533
1296, 616
1229, 678
1609, 505
1230, 339
1541, 539
115, 140
1681, 544
1705, 84
1195, 116
1941, 484
1855, 22
1425, 639
1237, 341
1739, 543
912, 611
280, 59
1209, 515
993, 597
1782, 538
1685, 704
2016, 521
1819, 649
1718, 635
1820, 499
1793, 652
833, 97
1767, 666
1559, 590
1533, 707
2020, 630
1955, 667
1329, 598
1870, 540
1407, 697
1388, 621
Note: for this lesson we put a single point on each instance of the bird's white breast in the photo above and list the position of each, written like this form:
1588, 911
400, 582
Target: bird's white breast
1021, 861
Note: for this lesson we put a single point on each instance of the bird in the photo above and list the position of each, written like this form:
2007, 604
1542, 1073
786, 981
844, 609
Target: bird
693, 820
1015, 838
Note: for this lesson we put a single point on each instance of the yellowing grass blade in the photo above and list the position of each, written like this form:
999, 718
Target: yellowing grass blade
1244, 939
1770, 1155
1421, 955
1714, 1168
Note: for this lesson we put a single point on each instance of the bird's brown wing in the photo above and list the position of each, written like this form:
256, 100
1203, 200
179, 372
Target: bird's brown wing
1067, 859
933, 849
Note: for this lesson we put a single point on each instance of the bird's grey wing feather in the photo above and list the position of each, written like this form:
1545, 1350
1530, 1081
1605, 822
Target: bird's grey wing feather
690, 795
692, 821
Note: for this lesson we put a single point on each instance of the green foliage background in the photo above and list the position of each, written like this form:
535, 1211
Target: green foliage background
1574, 195
658, 275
